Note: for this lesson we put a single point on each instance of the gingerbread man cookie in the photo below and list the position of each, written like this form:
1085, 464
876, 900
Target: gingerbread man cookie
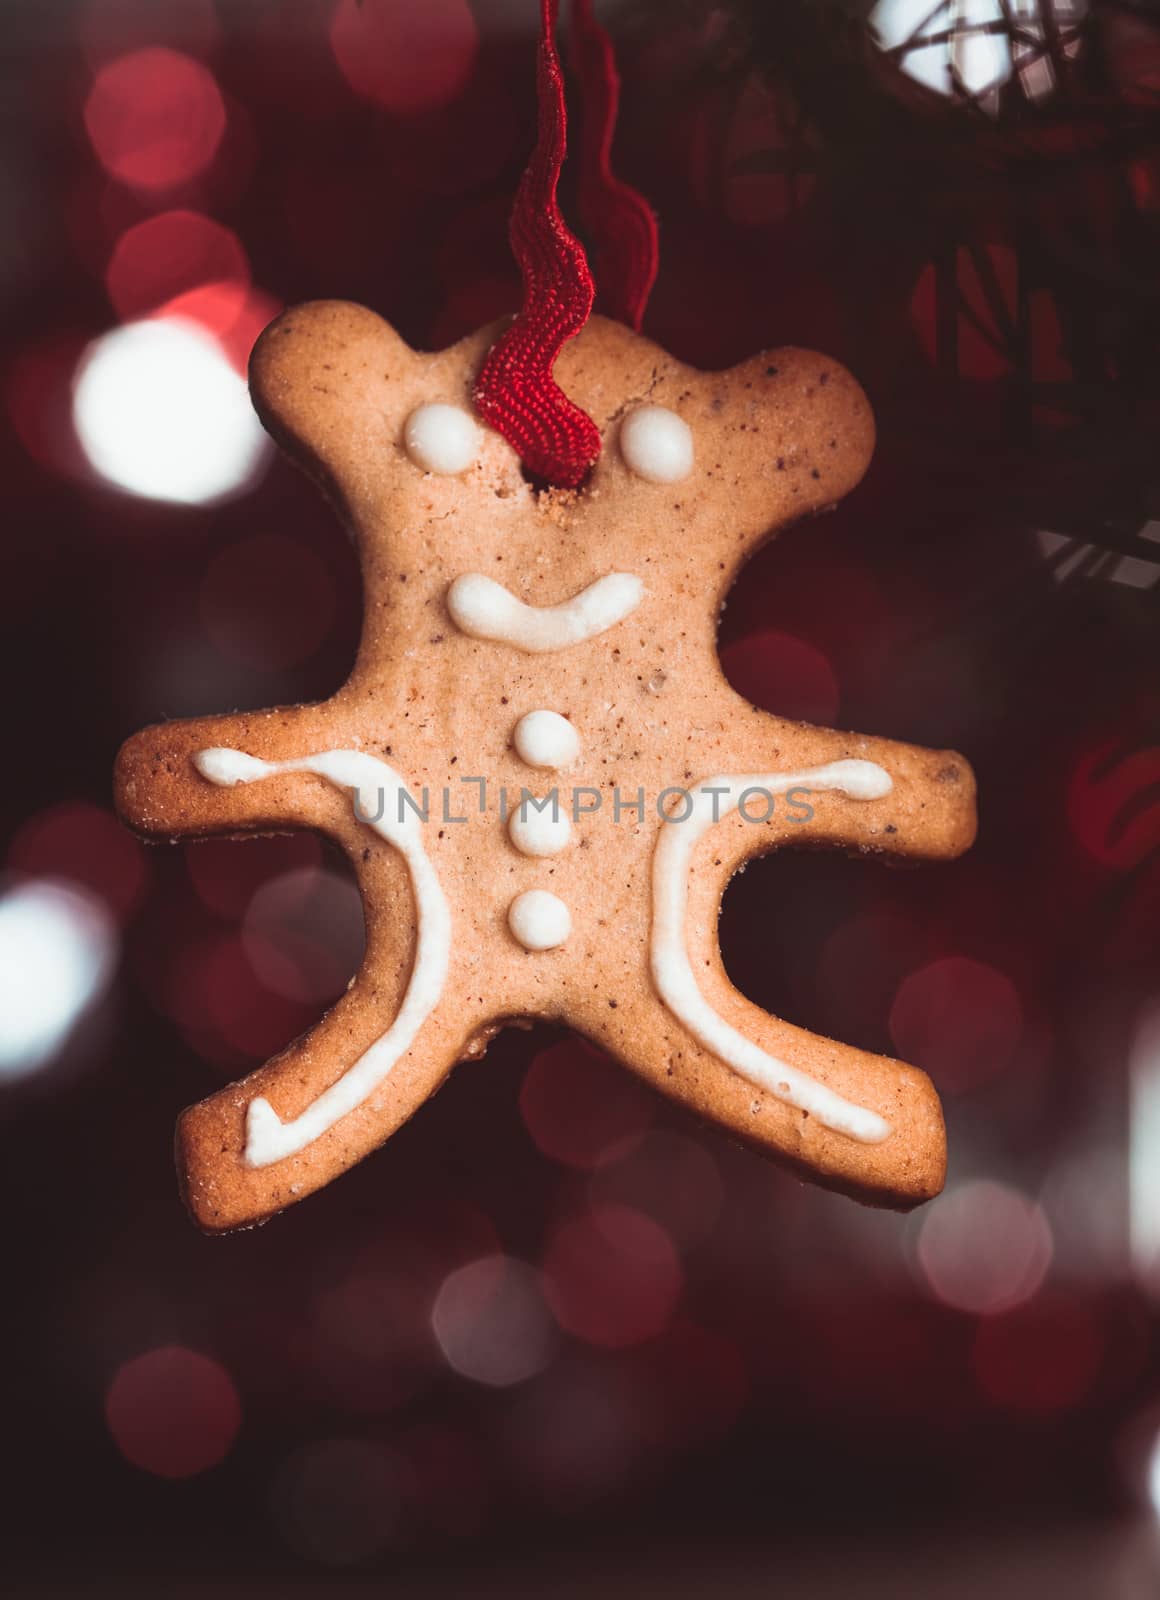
537, 768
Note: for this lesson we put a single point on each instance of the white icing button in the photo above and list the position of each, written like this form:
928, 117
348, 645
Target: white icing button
656, 444
441, 438
540, 833
546, 739
539, 920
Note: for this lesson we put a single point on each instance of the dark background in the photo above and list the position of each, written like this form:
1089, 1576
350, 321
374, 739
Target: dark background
779, 1388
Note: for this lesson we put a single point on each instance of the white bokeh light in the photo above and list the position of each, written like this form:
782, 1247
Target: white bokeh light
492, 1324
58, 950
984, 1247
161, 413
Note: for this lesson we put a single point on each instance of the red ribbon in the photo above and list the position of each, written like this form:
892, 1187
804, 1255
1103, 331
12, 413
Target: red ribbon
617, 217
516, 393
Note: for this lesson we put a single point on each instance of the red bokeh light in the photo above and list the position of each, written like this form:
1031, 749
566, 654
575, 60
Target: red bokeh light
83, 844
168, 255
235, 319
227, 873
268, 602
403, 57
155, 118
612, 1277
173, 1412
958, 1019
780, 673
580, 1108
1040, 1358
226, 1013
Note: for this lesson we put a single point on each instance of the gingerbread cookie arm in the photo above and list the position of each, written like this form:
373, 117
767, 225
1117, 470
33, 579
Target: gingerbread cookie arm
221, 1184
160, 793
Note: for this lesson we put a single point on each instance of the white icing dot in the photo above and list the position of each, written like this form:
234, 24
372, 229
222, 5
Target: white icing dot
540, 833
441, 438
546, 739
539, 920
656, 444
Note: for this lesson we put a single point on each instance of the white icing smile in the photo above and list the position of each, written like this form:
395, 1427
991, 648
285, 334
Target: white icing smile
486, 610
669, 957
377, 788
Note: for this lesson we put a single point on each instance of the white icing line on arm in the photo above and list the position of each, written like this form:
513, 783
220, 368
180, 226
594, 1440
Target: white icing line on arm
669, 957
486, 610
378, 792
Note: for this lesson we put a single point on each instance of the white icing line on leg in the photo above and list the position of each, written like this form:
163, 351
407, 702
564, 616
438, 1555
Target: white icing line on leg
486, 610
669, 957
378, 792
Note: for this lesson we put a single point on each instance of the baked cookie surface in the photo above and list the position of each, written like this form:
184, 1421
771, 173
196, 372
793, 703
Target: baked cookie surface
520, 643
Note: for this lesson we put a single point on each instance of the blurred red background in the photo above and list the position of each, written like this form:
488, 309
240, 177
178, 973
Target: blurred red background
554, 1314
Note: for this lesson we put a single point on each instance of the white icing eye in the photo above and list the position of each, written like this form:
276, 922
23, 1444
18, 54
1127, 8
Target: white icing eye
539, 920
546, 739
442, 439
656, 444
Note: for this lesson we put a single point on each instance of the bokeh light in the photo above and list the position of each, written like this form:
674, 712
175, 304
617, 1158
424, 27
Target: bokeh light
491, 1322
173, 1412
58, 951
86, 846
403, 57
304, 933
780, 673
339, 1501
155, 118
958, 1019
212, 992
984, 1247
167, 255
160, 412
612, 1277
580, 1107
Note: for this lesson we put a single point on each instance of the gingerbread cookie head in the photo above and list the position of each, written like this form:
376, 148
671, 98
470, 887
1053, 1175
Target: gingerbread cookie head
537, 767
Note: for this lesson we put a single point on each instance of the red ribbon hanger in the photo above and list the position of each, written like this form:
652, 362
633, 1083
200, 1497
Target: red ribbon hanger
516, 393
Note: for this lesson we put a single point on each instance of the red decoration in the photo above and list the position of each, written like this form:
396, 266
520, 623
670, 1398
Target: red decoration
617, 216
516, 393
